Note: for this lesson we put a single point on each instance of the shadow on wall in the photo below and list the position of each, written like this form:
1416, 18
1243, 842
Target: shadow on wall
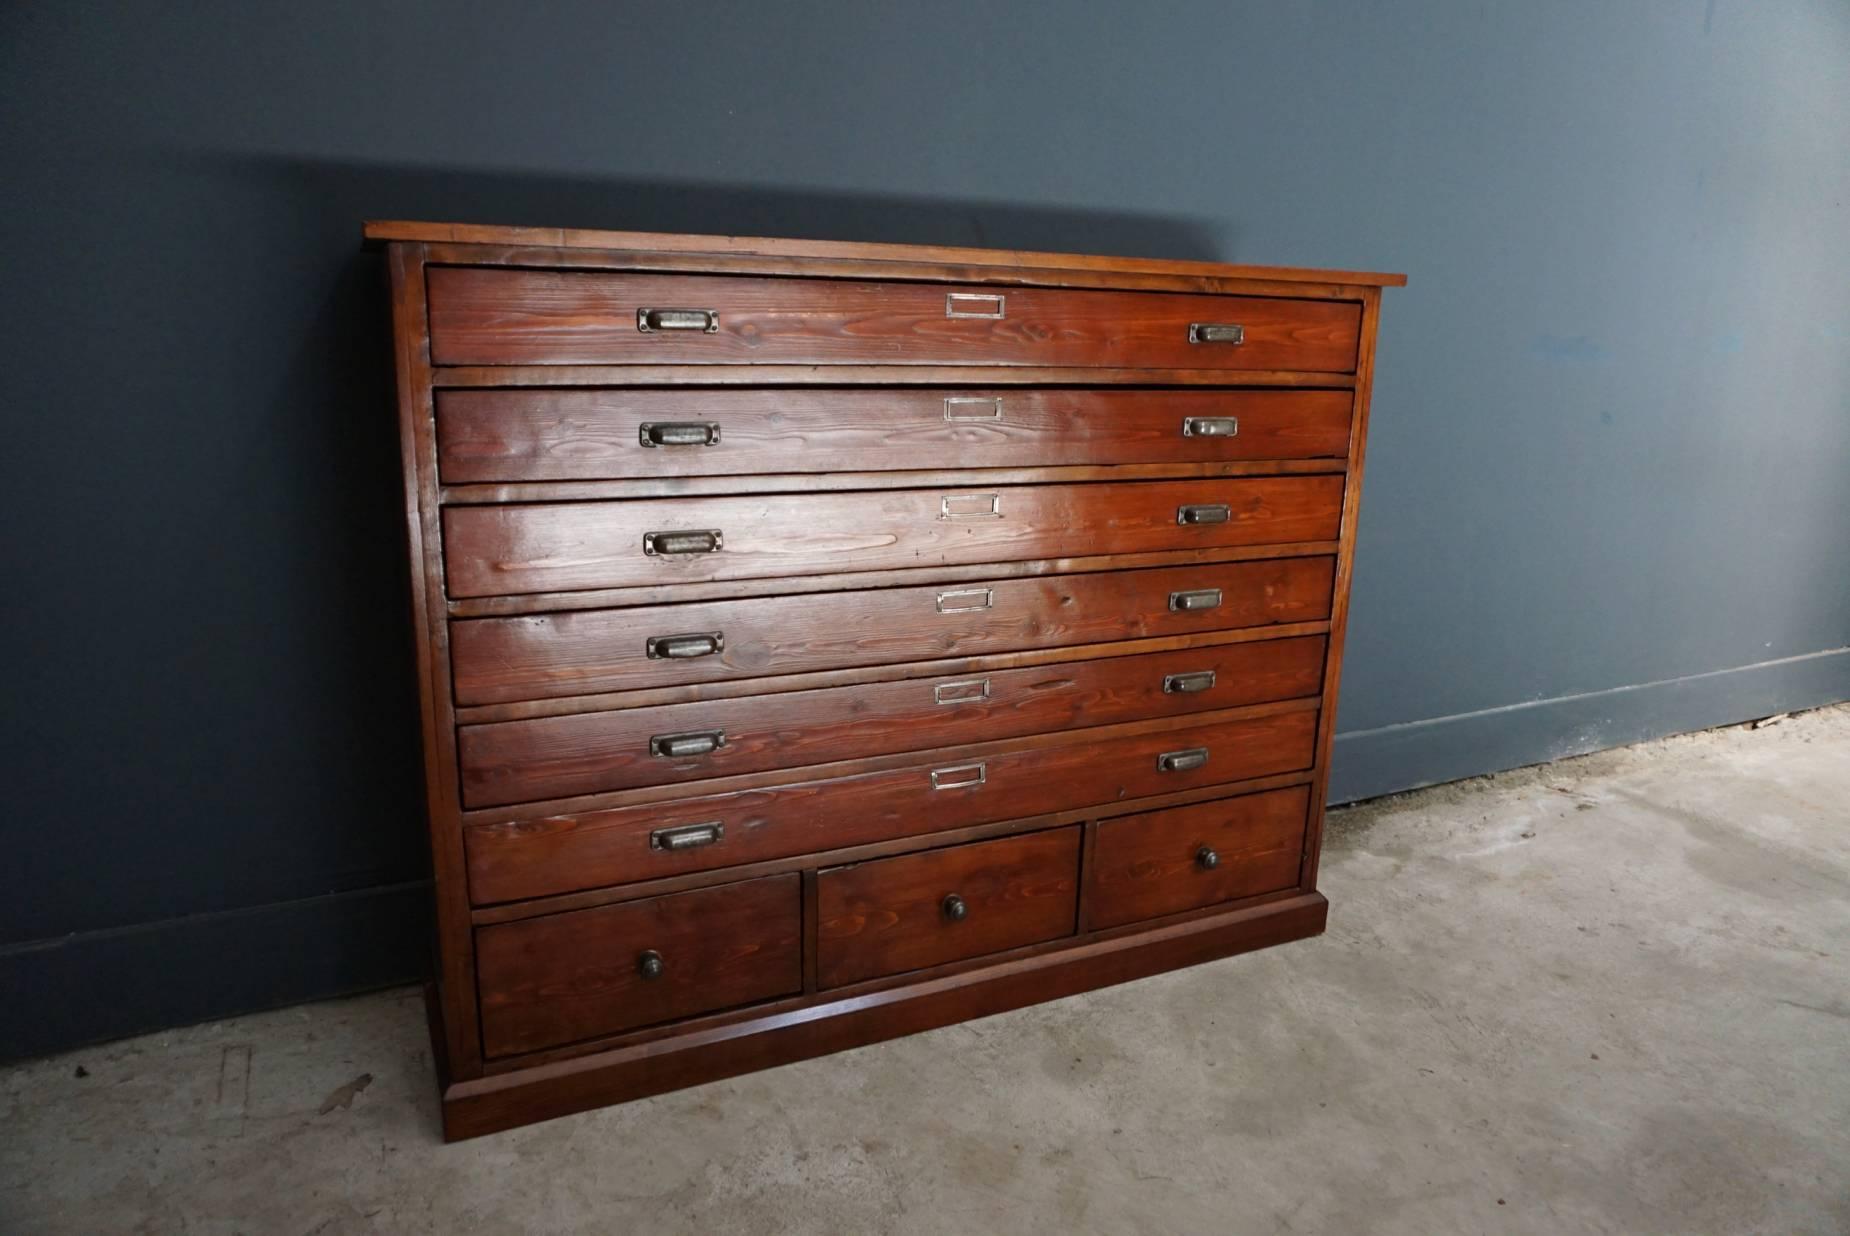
261, 722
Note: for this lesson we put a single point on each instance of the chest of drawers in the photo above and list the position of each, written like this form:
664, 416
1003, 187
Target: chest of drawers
824, 642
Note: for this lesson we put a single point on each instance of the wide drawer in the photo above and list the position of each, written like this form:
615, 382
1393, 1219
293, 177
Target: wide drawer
563, 546
566, 977
515, 859
898, 914
1183, 858
489, 316
587, 753
497, 660
497, 436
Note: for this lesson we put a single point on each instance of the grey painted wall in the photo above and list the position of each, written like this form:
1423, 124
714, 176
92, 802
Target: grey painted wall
1609, 483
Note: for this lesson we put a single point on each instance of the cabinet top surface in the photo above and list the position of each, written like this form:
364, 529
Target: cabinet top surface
383, 231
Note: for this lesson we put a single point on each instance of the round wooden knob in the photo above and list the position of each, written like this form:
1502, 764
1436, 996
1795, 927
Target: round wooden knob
651, 964
955, 909
1206, 858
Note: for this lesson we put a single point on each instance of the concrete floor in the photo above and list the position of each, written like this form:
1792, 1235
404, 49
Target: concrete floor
1606, 995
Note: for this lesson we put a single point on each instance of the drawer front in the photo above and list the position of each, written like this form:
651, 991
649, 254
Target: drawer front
496, 660
1183, 858
898, 914
565, 977
511, 860
495, 436
488, 316
565, 546
589, 753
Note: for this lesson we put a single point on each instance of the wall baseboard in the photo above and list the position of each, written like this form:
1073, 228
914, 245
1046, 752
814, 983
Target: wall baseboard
1407, 756
84, 988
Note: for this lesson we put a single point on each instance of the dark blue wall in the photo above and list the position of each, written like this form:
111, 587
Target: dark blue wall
1609, 481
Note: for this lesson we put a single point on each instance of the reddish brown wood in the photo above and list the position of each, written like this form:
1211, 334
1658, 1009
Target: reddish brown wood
843, 597
483, 242
587, 753
538, 435
455, 979
563, 977
900, 914
832, 1024
490, 316
1151, 864
557, 547
1345, 571
610, 894
536, 857
502, 659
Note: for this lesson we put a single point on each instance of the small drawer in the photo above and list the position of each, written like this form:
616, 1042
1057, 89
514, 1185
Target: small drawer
499, 660
507, 316
541, 758
565, 977
1184, 858
899, 914
503, 550
499, 436
510, 860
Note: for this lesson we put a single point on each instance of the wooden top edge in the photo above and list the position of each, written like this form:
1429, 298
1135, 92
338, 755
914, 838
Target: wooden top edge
379, 231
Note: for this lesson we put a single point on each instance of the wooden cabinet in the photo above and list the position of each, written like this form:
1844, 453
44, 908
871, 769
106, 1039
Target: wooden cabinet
822, 642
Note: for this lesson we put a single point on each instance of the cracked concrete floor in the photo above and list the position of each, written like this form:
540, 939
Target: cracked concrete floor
1606, 995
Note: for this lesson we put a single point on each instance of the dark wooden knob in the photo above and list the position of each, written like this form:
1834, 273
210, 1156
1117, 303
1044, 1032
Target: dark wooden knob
1206, 858
651, 964
955, 909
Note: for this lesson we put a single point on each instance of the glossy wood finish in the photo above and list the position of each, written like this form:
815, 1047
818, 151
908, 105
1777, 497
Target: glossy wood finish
535, 857
499, 436
559, 547
1041, 608
488, 242
899, 914
1152, 864
564, 977
486, 316
576, 653
853, 1018
587, 753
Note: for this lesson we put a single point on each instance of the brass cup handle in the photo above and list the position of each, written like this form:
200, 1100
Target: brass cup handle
1210, 426
1216, 332
650, 964
1206, 858
703, 320
702, 541
686, 746
1182, 761
1200, 513
955, 909
679, 433
682, 647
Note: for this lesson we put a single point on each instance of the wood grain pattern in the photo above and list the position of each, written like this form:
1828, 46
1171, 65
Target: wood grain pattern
489, 436
526, 858
586, 753
574, 653
852, 1018
887, 917
845, 603
509, 316
1148, 865
483, 239
558, 547
563, 977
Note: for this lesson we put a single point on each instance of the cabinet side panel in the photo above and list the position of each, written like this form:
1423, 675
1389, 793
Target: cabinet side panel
461, 1047
1345, 571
